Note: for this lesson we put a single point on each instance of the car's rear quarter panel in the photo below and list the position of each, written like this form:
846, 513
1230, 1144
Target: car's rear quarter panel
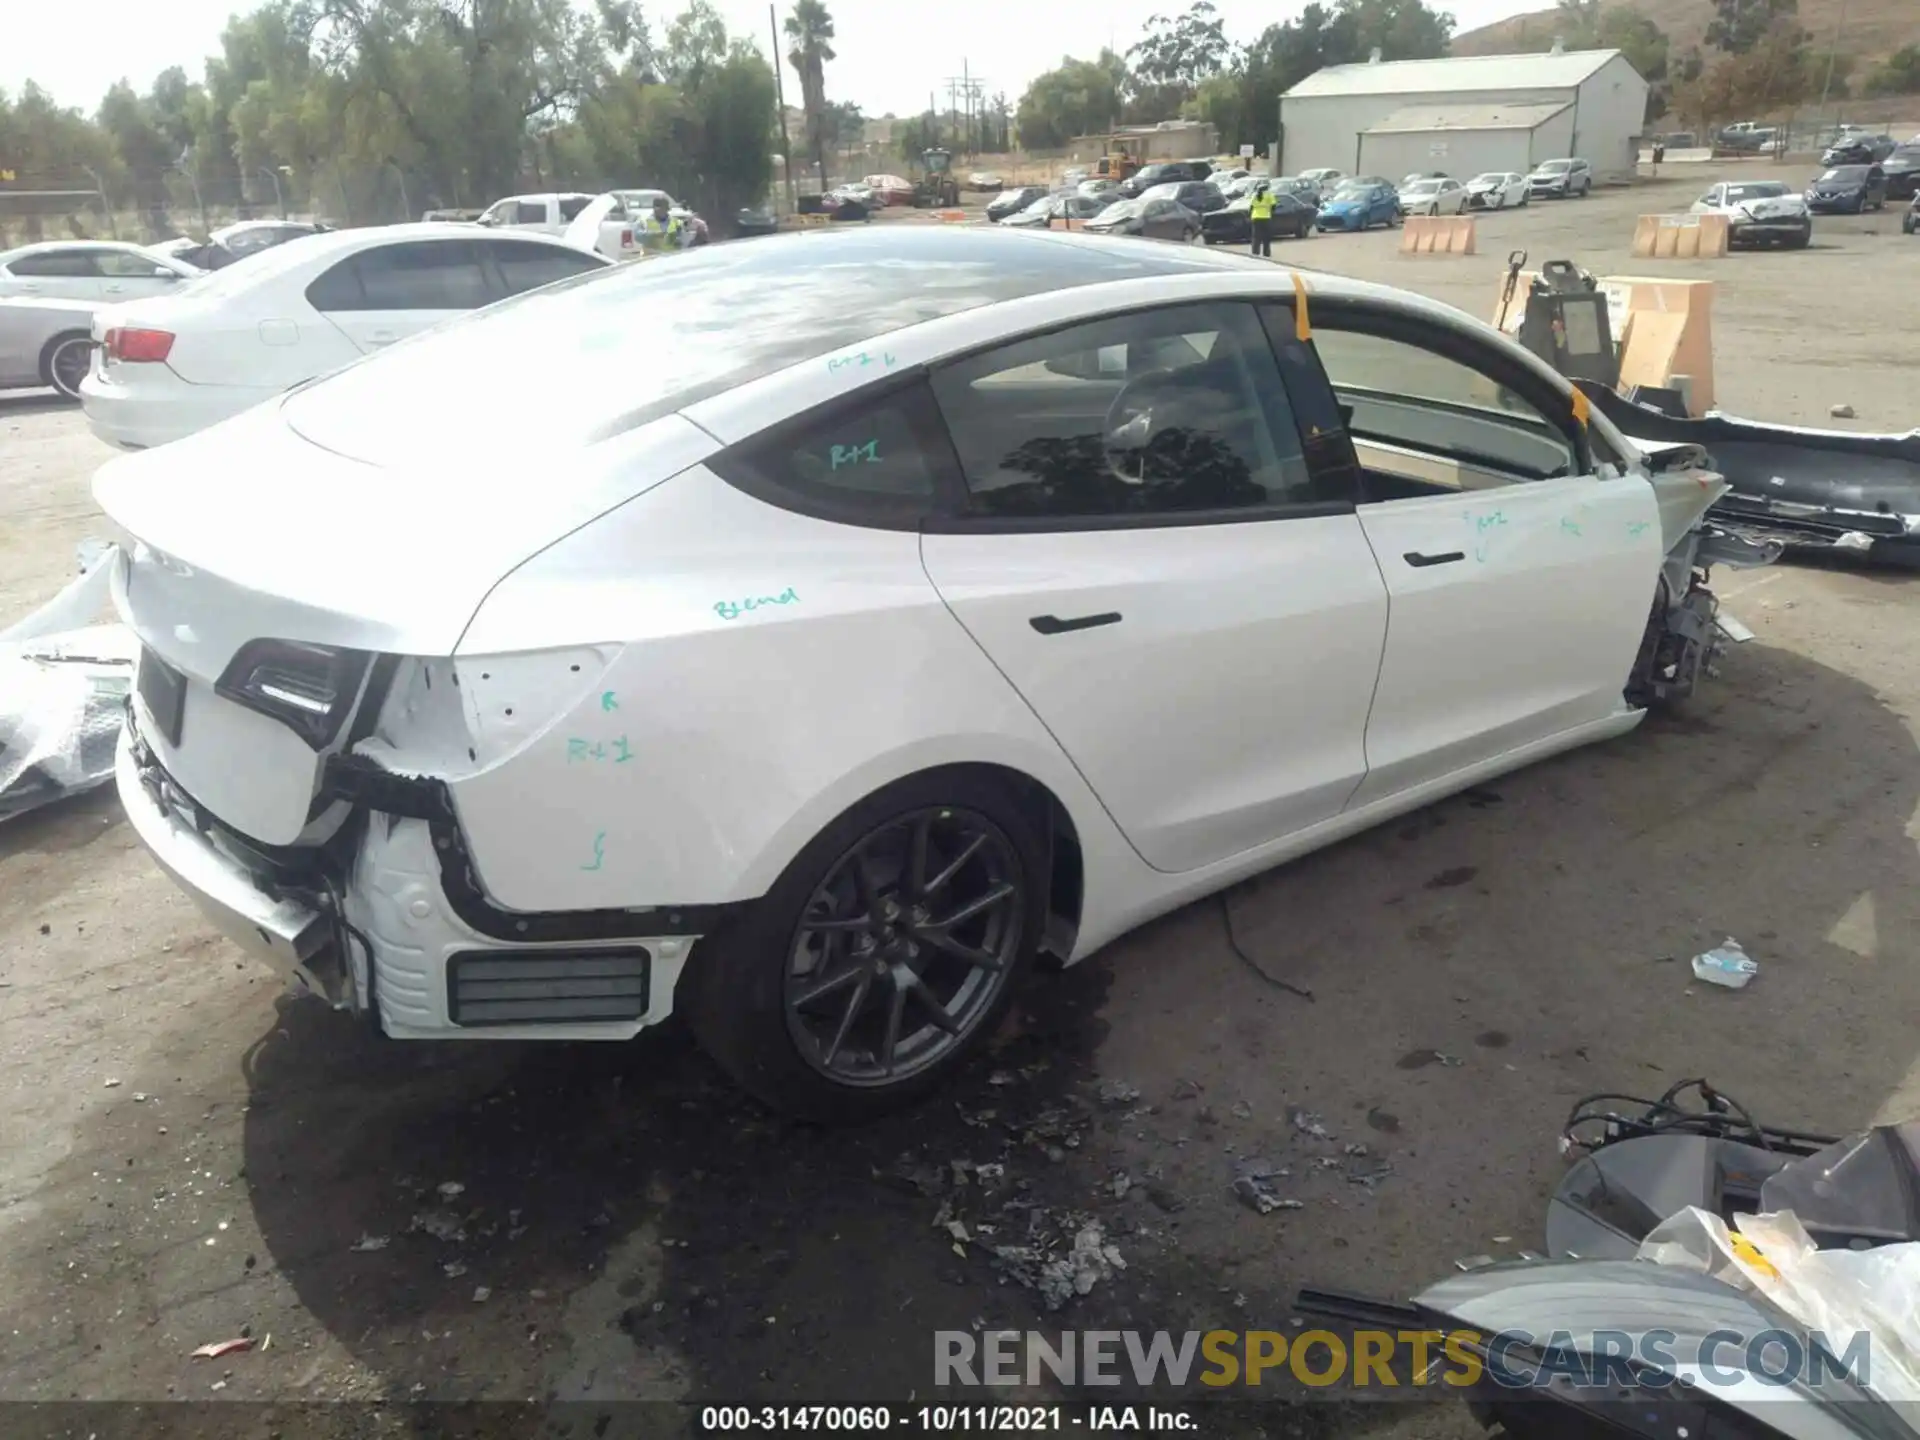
717, 745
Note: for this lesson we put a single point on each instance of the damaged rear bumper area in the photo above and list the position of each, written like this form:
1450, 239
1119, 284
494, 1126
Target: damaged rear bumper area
1822, 489
386, 919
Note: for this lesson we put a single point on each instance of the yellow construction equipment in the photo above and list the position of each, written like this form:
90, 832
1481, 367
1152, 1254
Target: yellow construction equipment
934, 187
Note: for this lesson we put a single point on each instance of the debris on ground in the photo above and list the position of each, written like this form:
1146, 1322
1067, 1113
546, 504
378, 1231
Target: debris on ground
113, 1084
1257, 1194
1187, 1089
1117, 1093
1307, 1123
223, 1347
451, 1189
1059, 1276
63, 690
1120, 1184
1841, 412
1256, 1167
1726, 965
1369, 1175
1356, 1148
1055, 1126
454, 1269
442, 1225
481, 1294
1242, 1110
915, 1176
368, 1243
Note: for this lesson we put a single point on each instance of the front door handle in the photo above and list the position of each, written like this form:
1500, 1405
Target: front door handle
1420, 561
1054, 625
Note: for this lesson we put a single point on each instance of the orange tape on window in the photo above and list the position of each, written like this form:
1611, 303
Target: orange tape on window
1580, 407
1302, 329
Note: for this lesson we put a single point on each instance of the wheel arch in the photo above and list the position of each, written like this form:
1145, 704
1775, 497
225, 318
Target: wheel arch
48, 350
1053, 816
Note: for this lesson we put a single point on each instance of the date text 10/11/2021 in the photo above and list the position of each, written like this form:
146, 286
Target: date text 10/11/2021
942, 1419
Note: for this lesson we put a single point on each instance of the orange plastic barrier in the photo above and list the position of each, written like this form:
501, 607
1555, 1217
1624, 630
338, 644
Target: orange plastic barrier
1437, 235
1680, 237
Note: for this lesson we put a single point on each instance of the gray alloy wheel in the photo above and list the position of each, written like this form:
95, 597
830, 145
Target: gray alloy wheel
905, 946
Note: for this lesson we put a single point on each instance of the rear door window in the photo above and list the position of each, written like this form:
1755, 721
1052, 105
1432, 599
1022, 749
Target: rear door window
418, 275
62, 264
1141, 417
572, 205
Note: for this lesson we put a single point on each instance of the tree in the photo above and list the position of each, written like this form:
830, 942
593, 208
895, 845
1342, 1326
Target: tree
1079, 97
1898, 74
1762, 81
809, 30
1739, 26
1243, 103
1176, 55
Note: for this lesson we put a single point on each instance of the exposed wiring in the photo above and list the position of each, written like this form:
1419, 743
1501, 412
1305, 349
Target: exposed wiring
1713, 1115
352, 931
1226, 915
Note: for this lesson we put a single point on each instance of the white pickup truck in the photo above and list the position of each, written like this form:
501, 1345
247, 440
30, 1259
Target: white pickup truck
548, 214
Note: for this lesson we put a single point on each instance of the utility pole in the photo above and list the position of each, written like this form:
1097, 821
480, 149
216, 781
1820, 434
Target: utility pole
780, 99
963, 97
1833, 48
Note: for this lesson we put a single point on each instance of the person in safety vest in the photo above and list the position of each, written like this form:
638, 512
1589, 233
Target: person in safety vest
1260, 214
662, 229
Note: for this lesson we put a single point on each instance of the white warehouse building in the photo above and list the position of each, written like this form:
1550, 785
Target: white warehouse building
1465, 115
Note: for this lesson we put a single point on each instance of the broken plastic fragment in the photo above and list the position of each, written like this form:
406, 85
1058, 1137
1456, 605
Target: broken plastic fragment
222, 1347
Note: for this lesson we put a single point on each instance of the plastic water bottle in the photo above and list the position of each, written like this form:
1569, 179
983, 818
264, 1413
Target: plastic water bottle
1726, 964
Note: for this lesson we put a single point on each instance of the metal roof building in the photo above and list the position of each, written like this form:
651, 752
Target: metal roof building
1465, 115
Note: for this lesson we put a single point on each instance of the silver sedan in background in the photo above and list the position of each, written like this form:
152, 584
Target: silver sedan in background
45, 342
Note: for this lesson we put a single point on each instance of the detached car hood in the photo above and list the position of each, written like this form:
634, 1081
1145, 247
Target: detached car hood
249, 529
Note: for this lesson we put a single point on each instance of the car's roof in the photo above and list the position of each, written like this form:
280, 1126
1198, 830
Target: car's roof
41, 247
308, 254
619, 348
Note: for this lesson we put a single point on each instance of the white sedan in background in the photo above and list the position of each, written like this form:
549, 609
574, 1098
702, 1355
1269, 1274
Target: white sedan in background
45, 342
804, 634
1496, 190
91, 270
1433, 196
169, 366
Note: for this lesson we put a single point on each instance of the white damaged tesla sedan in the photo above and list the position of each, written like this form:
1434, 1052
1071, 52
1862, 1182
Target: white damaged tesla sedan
804, 635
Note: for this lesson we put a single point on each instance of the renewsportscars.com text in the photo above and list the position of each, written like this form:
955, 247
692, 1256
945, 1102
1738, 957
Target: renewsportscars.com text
1457, 1359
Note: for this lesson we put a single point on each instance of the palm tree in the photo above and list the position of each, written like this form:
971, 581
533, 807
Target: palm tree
810, 31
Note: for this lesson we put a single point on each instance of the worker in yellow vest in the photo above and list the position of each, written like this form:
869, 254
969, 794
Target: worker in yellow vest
1260, 214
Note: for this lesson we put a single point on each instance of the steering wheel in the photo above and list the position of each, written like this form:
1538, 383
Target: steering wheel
1130, 424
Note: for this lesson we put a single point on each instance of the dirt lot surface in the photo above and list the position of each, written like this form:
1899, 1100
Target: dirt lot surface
188, 1155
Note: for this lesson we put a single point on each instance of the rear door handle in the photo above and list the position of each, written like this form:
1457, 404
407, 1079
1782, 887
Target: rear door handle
1054, 625
1420, 561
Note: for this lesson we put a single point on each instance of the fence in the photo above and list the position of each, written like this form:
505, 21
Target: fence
87, 206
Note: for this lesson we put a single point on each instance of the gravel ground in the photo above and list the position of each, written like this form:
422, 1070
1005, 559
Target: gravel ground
187, 1154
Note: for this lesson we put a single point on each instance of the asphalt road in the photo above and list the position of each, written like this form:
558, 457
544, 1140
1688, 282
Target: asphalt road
187, 1154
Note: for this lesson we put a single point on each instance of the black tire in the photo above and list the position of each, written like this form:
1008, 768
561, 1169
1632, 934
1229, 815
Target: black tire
60, 357
738, 994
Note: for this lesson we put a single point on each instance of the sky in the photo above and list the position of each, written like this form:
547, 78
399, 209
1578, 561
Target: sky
892, 53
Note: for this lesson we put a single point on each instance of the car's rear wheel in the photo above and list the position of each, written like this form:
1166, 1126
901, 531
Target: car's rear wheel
883, 954
64, 362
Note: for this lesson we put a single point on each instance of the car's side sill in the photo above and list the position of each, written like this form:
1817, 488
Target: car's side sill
1198, 883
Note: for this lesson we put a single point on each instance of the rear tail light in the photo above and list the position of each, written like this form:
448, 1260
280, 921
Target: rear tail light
311, 689
138, 346
626, 239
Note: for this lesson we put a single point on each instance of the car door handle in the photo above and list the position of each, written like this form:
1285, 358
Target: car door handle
1420, 561
1054, 625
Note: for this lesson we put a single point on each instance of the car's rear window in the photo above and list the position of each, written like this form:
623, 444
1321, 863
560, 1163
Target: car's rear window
610, 351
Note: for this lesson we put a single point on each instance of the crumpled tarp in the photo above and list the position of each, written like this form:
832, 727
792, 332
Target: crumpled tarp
63, 692
1836, 1292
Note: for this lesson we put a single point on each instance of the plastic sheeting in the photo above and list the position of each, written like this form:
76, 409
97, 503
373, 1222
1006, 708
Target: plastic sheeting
63, 692
1836, 1292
